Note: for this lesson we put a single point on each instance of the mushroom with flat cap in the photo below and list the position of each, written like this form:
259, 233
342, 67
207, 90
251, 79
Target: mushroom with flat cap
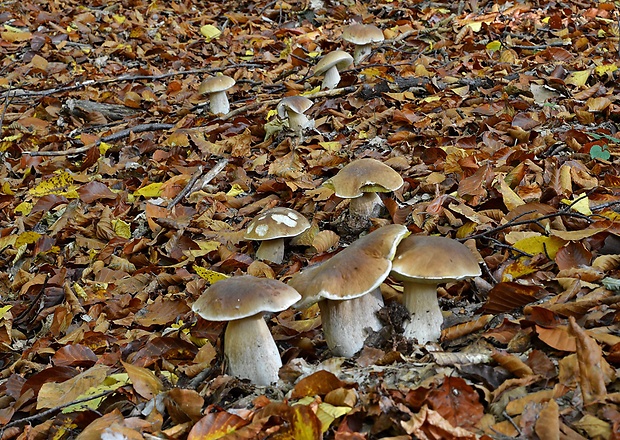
249, 348
216, 88
293, 108
347, 288
362, 36
331, 65
360, 181
271, 228
422, 263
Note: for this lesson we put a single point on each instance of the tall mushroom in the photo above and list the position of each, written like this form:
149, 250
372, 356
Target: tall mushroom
331, 65
216, 88
293, 108
362, 36
271, 228
422, 263
249, 348
347, 288
360, 181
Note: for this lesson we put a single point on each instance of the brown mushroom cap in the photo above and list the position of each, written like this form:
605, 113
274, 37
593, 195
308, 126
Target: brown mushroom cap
433, 260
276, 223
355, 271
364, 175
362, 34
338, 58
242, 296
216, 84
297, 104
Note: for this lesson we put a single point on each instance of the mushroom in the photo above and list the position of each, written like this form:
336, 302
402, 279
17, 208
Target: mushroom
331, 64
362, 36
347, 288
271, 228
422, 263
216, 88
360, 181
293, 108
249, 348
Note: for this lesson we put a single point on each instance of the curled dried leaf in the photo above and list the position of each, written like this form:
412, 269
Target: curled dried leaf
325, 240
606, 262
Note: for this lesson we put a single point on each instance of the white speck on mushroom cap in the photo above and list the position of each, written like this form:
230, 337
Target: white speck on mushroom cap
261, 230
288, 221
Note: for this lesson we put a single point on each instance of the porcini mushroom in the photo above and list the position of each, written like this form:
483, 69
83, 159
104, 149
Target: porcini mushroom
216, 88
422, 263
362, 36
293, 108
331, 65
347, 288
249, 348
271, 228
360, 181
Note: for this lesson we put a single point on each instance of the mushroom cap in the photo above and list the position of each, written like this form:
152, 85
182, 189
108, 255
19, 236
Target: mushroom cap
433, 259
338, 58
243, 296
364, 175
297, 104
276, 223
215, 84
362, 34
355, 271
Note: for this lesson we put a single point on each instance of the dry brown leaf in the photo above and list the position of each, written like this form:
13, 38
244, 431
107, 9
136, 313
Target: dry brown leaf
548, 424
512, 363
144, 381
466, 328
54, 394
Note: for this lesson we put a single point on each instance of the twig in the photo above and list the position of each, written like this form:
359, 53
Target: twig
51, 411
185, 190
7, 101
193, 182
110, 138
538, 47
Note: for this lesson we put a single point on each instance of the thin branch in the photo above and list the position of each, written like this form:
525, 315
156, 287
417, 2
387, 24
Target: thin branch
187, 188
195, 183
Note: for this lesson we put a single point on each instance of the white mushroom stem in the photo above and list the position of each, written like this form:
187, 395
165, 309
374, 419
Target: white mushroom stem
271, 250
426, 319
346, 323
360, 52
250, 350
219, 103
332, 78
366, 206
297, 121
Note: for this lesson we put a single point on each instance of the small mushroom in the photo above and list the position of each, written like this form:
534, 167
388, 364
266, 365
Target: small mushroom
249, 348
360, 181
362, 36
422, 263
216, 88
271, 228
293, 108
330, 65
347, 288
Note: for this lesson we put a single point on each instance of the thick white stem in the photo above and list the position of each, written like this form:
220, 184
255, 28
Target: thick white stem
271, 250
219, 103
426, 319
346, 323
360, 52
332, 78
250, 350
366, 206
297, 122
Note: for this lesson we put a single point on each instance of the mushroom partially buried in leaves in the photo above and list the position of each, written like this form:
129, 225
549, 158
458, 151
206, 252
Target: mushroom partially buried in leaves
362, 36
216, 88
293, 108
360, 181
422, 263
249, 348
347, 288
330, 66
271, 228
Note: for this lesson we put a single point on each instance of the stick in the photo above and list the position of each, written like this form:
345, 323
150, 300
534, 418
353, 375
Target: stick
193, 182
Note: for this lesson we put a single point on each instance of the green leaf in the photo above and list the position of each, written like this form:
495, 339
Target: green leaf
598, 152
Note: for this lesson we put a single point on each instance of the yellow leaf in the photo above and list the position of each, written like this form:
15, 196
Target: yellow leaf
605, 68
311, 92
581, 205
210, 32
540, 245
208, 245
516, 270
4, 310
578, 78
144, 381
494, 46
26, 238
121, 228
8, 240
6, 189
23, 208
328, 413
210, 275
371, 72
332, 147
431, 98
112, 382
54, 394
511, 198
104, 147
60, 184
79, 291
235, 190
119, 18
151, 190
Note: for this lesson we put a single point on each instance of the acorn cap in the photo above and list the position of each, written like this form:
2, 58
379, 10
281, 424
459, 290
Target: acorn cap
355, 271
338, 58
434, 260
362, 176
243, 296
276, 223
216, 84
362, 34
297, 104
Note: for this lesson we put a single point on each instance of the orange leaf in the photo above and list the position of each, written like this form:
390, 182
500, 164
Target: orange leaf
548, 423
144, 381
466, 328
317, 384
457, 402
557, 337
512, 363
509, 296
216, 425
